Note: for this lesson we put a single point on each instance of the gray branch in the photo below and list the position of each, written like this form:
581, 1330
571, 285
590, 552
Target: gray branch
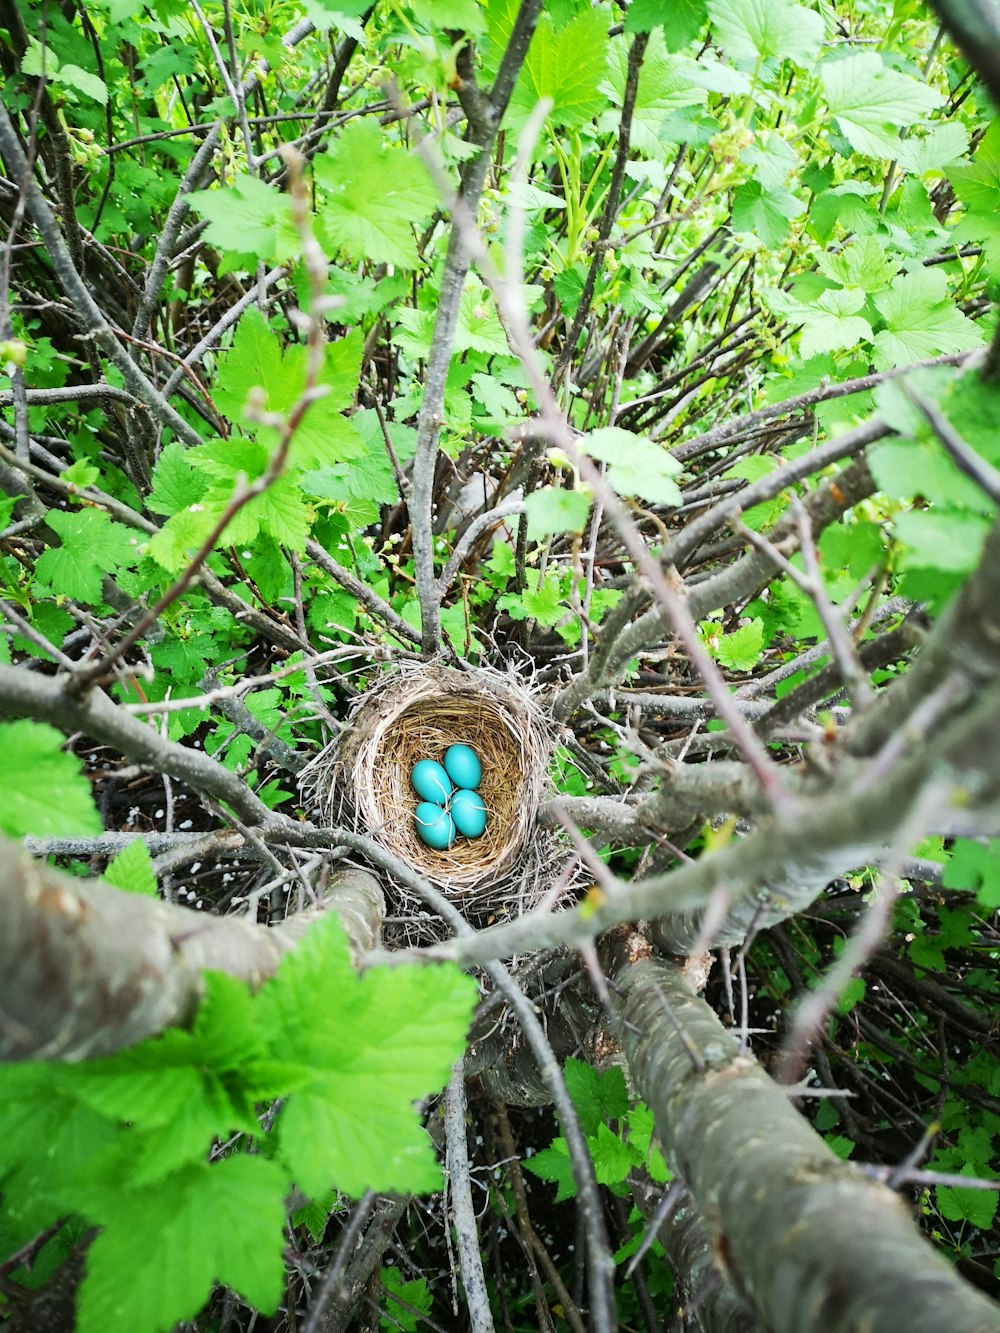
86, 969
807, 1239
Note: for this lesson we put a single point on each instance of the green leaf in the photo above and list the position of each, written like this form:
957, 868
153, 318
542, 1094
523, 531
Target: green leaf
853, 993
409, 1312
921, 321
754, 30
72, 76
832, 323
958, 1204
82, 473
180, 538
682, 20
765, 213
553, 509
42, 791
840, 1144
543, 603
176, 485
465, 15
864, 263
132, 870
975, 865
932, 153
282, 513
553, 1164
250, 220
566, 63
936, 539
92, 546
636, 466
872, 103
374, 195
978, 188
598, 1096
205, 1224
252, 362
741, 649
396, 1035
613, 1159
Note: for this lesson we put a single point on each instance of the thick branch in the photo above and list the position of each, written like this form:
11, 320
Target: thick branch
86, 969
811, 1242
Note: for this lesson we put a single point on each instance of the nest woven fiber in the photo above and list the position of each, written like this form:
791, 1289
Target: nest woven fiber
416, 713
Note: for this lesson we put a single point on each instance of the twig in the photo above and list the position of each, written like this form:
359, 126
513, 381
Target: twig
287, 425
463, 1210
338, 1264
812, 584
982, 472
485, 114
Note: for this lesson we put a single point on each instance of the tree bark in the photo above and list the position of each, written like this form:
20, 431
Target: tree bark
808, 1241
86, 969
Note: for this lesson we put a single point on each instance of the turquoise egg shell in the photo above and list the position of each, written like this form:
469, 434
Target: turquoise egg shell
463, 767
431, 782
468, 810
435, 826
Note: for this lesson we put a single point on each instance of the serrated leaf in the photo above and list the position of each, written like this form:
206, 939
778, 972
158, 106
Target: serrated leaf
398, 1031
132, 870
92, 546
636, 466
42, 791
864, 263
72, 76
976, 1206
82, 473
565, 62
374, 196
553, 509
282, 513
249, 219
252, 362
832, 322
682, 20
613, 1159
599, 1096
765, 213
945, 146
553, 1164
408, 1304
755, 30
176, 485
872, 103
464, 15
921, 321
741, 649
206, 1224
181, 537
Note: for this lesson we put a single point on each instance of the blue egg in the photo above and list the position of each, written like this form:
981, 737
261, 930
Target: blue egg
435, 826
468, 810
463, 766
431, 781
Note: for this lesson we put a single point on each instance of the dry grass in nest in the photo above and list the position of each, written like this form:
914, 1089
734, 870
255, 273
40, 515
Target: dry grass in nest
416, 713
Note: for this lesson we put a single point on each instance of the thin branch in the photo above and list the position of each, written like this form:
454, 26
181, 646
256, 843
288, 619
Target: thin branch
462, 1208
346, 1246
287, 426
982, 472
482, 132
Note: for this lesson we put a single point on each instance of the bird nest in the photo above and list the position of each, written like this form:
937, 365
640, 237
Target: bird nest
363, 778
